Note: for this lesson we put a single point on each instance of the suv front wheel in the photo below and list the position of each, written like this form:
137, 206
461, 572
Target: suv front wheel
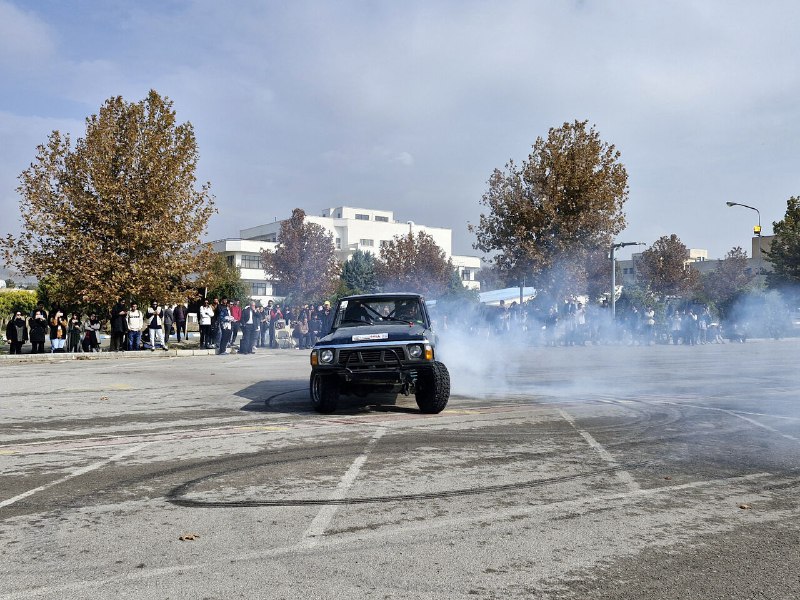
324, 393
433, 388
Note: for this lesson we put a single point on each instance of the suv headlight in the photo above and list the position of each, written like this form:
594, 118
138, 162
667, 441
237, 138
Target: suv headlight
415, 351
326, 356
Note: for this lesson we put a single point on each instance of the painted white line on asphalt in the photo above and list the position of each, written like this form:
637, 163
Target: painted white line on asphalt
527, 511
757, 424
76, 473
623, 476
741, 415
320, 523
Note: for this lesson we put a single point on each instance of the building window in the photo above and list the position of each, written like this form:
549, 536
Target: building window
258, 288
367, 243
338, 243
384, 243
466, 275
229, 259
382, 219
251, 261
360, 217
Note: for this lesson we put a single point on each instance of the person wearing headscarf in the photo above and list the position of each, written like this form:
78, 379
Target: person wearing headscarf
58, 331
91, 328
16, 333
73, 333
38, 331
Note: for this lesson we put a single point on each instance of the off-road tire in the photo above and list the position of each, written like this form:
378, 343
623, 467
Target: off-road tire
433, 388
324, 393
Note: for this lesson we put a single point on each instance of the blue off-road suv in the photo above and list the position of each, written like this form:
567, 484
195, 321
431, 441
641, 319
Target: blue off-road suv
379, 343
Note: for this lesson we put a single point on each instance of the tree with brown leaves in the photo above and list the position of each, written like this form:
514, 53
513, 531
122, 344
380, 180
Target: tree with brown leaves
547, 215
731, 279
304, 265
119, 213
410, 263
664, 268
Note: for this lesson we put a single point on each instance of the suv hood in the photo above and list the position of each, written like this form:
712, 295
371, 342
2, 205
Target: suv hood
365, 334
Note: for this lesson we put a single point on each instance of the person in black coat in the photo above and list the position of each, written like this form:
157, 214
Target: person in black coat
16, 333
249, 325
39, 328
179, 314
119, 326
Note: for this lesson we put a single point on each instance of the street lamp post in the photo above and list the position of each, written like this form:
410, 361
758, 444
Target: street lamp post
614, 274
756, 230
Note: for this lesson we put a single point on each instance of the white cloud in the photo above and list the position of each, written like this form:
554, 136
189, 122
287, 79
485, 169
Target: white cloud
26, 42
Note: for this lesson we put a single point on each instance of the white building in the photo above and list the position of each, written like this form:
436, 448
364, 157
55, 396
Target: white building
352, 229
697, 257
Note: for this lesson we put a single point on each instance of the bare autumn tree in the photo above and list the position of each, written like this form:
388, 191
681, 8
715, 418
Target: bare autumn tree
729, 281
663, 267
304, 263
119, 213
548, 214
414, 263
598, 273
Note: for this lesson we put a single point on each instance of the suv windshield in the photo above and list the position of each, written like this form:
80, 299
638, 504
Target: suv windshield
370, 311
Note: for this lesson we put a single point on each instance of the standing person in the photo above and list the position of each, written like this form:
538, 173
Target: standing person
119, 326
58, 331
263, 326
216, 331
300, 333
91, 327
236, 313
225, 320
17, 333
74, 333
314, 328
168, 317
155, 325
274, 316
179, 314
326, 317
675, 328
704, 321
38, 331
40, 309
249, 324
649, 318
205, 314
135, 324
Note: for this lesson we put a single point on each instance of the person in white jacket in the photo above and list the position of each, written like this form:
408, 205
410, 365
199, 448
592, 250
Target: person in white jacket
206, 312
155, 323
135, 323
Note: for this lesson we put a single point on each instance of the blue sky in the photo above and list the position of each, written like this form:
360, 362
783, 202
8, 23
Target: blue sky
409, 106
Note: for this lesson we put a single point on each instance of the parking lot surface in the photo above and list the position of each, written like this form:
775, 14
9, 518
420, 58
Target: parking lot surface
578, 472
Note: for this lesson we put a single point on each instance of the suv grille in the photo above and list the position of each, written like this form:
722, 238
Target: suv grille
371, 356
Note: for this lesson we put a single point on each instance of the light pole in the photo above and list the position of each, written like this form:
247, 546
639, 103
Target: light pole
614, 274
756, 229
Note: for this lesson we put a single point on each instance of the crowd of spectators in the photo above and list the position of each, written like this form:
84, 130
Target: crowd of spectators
573, 322
221, 324
225, 325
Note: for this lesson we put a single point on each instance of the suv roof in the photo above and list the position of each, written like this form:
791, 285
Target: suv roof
383, 295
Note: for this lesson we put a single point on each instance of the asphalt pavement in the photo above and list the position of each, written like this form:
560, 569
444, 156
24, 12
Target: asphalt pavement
574, 472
